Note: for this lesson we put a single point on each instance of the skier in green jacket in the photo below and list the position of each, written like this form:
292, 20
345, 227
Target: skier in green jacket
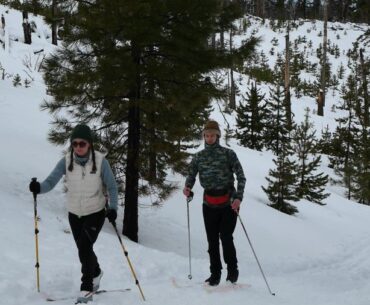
216, 166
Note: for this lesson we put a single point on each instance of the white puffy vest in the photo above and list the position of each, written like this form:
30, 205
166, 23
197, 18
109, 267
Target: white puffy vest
85, 189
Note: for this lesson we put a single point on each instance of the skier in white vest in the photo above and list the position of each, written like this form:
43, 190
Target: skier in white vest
87, 174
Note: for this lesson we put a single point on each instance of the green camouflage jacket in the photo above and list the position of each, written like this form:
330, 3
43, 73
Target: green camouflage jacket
216, 166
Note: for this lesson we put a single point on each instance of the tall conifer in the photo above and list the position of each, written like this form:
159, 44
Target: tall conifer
346, 137
311, 185
282, 182
251, 118
277, 129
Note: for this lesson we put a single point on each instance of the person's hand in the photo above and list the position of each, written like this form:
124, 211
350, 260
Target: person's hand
35, 187
111, 215
186, 191
236, 205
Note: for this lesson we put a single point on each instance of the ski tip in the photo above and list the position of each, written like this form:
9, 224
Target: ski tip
112, 290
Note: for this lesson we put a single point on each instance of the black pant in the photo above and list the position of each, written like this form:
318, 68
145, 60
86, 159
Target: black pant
85, 231
220, 224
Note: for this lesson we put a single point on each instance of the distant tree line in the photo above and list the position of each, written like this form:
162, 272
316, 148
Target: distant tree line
349, 144
338, 10
261, 123
55, 12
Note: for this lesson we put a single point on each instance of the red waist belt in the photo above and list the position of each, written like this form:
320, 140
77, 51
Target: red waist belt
217, 200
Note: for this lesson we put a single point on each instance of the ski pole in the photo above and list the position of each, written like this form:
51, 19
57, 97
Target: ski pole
259, 265
188, 199
36, 239
128, 260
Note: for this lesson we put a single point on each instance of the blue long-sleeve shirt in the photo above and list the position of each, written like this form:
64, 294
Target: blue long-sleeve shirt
106, 175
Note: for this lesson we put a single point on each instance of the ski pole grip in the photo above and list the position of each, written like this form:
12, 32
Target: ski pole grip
190, 197
34, 179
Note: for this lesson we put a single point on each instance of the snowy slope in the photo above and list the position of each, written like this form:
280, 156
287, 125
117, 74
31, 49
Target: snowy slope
320, 256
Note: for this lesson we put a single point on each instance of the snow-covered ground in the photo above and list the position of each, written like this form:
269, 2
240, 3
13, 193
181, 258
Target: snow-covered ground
320, 256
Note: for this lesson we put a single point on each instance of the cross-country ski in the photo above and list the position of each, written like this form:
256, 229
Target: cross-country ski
63, 298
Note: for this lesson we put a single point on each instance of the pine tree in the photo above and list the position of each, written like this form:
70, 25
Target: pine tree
361, 189
295, 70
17, 81
250, 119
137, 72
345, 138
279, 67
361, 179
27, 83
365, 38
277, 129
311, 185
351, 141
324, 145
282, 182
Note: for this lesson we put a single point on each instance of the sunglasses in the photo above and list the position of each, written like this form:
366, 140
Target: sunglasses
82, 144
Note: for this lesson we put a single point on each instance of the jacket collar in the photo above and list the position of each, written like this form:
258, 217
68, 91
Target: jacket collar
82, 160
212, 146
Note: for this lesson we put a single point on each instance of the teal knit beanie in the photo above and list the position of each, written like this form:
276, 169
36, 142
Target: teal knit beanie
82, 131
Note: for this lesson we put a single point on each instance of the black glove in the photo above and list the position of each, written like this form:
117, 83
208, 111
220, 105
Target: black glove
111, 215
35, 187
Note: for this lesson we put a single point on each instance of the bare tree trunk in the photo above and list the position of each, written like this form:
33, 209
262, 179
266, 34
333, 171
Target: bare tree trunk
320, 105
345, 6
288, 107
324, 53
315, 9
260, 8
232, 102
152, 170
130, 221
222, 39
131, 215
26, 28
222, 36
213, 41
54, 37
2, 22
365, 90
